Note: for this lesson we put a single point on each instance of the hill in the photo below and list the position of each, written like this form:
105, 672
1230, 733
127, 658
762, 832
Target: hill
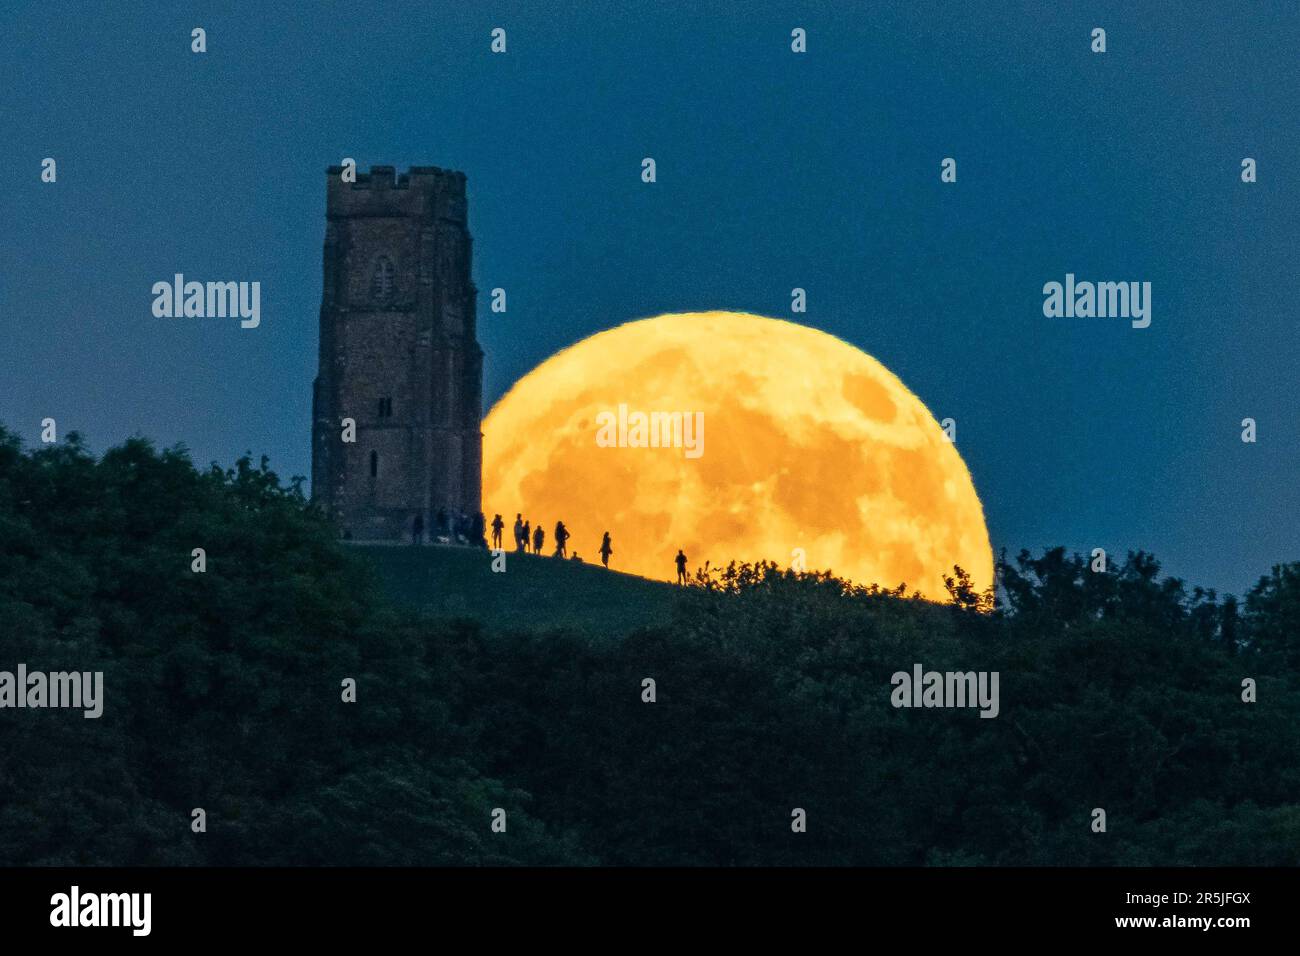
533, 594
252, 667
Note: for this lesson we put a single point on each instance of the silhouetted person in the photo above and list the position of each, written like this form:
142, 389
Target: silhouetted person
606, 549
497, 527
477, 526
417, 537
561, 537
539, 536
528, 534
681, 567
519, 533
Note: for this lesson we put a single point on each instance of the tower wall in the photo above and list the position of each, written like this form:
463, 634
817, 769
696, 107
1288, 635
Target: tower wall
399, 354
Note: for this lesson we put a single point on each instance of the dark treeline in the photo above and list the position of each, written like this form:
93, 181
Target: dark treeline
1120, 690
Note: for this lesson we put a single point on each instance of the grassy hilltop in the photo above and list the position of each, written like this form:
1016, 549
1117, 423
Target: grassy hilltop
534, 593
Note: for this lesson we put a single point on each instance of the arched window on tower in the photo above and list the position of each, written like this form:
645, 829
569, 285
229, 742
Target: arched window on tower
374, 464
383, 280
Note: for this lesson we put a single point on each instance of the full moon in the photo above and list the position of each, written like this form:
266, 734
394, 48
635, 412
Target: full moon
811, 453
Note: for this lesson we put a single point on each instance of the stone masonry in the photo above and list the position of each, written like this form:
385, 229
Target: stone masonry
399, 355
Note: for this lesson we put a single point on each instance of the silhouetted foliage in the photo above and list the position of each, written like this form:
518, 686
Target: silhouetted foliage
1119, 689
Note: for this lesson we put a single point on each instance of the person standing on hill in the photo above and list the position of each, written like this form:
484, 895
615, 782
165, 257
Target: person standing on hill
539, 537
681, 566
519, 532
561, 537
528, 535
606, 549
497, 526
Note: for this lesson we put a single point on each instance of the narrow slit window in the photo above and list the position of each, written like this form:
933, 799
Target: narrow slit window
382, 279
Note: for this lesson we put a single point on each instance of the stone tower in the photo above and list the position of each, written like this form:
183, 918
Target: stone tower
398, 354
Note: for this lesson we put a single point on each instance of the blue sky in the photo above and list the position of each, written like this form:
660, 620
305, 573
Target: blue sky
775, 170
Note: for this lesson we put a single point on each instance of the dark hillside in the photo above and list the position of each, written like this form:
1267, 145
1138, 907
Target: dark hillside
532, 594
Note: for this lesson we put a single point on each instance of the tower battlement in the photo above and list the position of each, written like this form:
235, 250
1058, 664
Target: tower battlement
383, 188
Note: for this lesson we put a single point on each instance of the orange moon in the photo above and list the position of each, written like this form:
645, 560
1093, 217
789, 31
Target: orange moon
807, 443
